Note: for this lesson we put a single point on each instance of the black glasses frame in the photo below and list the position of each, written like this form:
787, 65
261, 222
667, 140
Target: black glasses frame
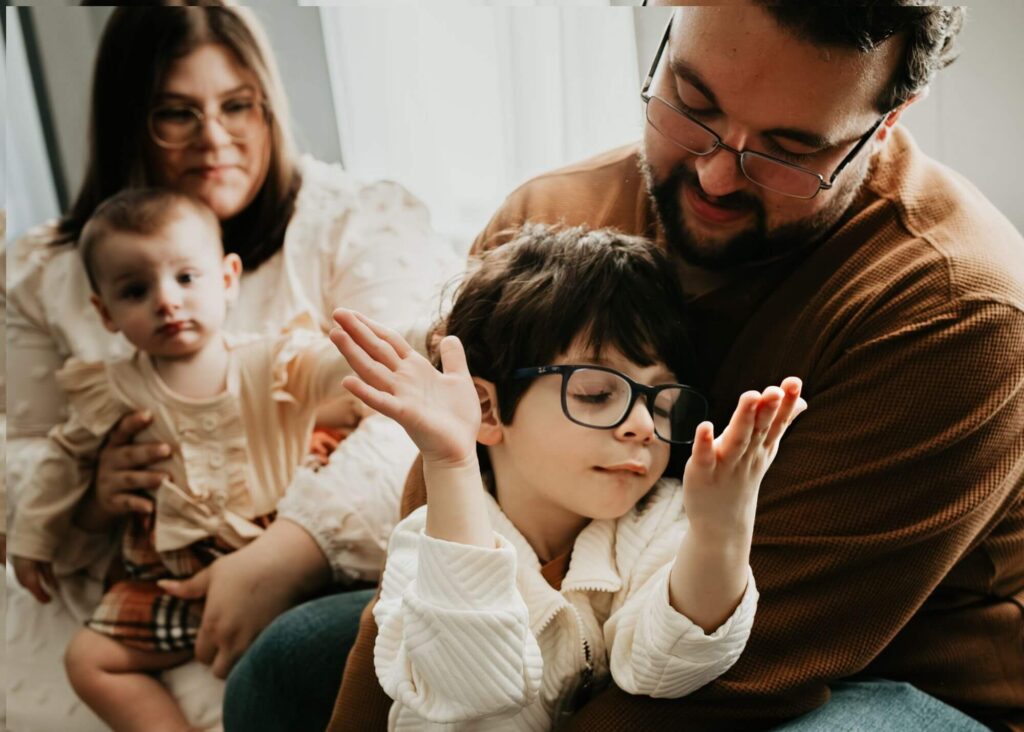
823, 184
201, 117
650, 393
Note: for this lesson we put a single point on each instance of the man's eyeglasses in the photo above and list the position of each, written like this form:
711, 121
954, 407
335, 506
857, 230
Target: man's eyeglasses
602, 398
764, 170
174, 126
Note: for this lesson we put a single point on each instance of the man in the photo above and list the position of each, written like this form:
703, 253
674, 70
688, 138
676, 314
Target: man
814, 238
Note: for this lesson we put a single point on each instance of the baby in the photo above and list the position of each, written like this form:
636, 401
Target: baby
554, 552
237, 413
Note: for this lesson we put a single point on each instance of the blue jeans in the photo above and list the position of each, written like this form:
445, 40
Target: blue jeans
289, 678
877, 705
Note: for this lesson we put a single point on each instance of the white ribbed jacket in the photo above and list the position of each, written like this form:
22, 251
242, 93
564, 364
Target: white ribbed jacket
475, 639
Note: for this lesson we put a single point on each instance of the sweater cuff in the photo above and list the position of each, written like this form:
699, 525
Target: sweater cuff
681, 637
454, 576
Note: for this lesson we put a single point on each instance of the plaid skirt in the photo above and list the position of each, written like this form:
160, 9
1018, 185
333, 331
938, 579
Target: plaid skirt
134, 610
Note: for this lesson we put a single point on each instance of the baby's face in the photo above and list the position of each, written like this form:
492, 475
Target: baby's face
567, 467
167, 291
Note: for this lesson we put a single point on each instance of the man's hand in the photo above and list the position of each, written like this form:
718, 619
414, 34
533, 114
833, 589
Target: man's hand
32, 575
121, 475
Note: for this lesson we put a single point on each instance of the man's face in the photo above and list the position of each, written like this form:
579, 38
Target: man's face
761, 89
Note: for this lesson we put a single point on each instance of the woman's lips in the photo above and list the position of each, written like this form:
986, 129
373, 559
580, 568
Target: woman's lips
628, 467
211, 171
709, 212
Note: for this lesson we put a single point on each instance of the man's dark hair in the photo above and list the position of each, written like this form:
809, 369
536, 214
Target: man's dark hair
141, 211
928, 31
528, 301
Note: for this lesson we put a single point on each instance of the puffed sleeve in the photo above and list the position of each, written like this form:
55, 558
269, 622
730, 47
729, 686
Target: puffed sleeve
350, 505
454, 641
62, 476
388, 263
307, 368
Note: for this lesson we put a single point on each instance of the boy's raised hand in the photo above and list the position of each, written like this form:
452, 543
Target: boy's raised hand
440, 411
723, 474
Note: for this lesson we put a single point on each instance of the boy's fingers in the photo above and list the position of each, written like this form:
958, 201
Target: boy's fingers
394, 339
373, 398
453, 356
792, 405
369, 370
704, 445
376, 347
734, 440
768, 407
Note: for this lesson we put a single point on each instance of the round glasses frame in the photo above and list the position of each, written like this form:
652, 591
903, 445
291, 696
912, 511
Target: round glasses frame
636, 389
719, 144
200, 119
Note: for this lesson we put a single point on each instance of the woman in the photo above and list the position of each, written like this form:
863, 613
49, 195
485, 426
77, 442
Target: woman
190, 98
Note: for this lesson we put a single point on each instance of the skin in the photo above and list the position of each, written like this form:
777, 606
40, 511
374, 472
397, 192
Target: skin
760, 78
285, 564
554, 476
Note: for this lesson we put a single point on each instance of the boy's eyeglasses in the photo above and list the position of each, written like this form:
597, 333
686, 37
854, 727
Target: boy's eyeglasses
174, 126
602, 398
764, 170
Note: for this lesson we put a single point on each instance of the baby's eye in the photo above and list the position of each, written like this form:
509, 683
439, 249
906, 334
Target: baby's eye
187, 278
132, 292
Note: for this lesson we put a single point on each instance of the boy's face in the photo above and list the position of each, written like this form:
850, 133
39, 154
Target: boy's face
166, 291
567, 470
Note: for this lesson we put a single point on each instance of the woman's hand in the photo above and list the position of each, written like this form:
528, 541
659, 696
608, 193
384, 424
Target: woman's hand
440, 411
723, 475
121, 476
32, 575
245, 590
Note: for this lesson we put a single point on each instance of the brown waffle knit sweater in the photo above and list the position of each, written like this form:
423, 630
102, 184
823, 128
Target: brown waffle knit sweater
890, 531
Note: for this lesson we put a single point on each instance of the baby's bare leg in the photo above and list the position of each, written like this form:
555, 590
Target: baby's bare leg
116, 682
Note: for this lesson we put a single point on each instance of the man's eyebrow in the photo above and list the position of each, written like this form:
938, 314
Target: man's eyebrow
815, 140
686, 72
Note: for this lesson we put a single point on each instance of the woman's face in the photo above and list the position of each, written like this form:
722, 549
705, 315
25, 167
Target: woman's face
224, 170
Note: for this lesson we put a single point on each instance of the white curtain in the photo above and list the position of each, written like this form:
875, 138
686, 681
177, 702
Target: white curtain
30, 195
461, 105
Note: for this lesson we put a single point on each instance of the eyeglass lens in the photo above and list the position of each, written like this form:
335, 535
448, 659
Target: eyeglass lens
179, 125
598, 398
694, 138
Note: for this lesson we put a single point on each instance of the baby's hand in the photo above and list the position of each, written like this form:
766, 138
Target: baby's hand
32, 574
723, 475
440, 411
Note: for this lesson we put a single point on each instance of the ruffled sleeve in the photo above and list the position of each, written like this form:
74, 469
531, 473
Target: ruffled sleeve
307, 368
63, 474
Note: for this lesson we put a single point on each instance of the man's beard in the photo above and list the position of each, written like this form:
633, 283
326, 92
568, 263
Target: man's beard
755, 244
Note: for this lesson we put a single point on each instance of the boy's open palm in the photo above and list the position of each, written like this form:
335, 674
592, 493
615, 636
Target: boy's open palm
440, 411
723, 474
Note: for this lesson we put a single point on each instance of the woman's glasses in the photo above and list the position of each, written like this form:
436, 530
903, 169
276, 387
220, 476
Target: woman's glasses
175, 126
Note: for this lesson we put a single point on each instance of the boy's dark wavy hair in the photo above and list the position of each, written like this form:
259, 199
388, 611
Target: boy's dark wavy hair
526, 302
928, 32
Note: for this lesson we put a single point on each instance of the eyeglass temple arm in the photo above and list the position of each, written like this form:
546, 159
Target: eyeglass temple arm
825, 185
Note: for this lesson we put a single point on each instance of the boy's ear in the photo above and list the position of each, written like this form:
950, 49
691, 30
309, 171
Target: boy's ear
232, 271
893, 117
490, 433
104, 313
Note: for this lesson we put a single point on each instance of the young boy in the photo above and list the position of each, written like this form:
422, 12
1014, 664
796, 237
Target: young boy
504, 608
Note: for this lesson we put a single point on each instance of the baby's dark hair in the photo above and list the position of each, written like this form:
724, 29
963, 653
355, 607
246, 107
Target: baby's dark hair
141, 211
526, 302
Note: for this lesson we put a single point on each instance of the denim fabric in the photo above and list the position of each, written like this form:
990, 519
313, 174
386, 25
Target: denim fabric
877, 705
289, 678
